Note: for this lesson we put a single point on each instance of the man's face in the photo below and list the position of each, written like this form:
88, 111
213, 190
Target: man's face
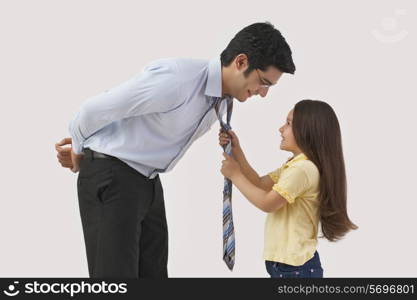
257, 82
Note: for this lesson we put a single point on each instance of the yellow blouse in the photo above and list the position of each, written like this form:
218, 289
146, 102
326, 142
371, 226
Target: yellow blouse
291, 231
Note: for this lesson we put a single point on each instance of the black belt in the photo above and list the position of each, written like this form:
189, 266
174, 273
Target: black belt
93, 154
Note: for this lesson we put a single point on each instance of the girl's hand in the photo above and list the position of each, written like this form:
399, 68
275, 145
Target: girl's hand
226, 137
230, 167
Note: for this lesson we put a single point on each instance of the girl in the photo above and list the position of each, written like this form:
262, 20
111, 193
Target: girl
310, 188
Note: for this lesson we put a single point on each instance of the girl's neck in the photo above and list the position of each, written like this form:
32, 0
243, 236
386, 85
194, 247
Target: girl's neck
297, 152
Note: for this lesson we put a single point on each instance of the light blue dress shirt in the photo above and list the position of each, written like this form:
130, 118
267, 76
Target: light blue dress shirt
151, 120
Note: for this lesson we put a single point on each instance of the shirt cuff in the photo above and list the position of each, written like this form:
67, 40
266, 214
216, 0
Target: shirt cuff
77, 138
273, 176
284, 194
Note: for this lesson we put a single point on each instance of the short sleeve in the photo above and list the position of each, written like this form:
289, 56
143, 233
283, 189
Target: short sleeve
292, 183
274, 175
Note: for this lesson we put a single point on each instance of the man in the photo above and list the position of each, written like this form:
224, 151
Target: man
123, 138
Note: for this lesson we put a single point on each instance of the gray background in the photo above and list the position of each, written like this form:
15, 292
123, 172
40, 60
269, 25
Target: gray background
357, 55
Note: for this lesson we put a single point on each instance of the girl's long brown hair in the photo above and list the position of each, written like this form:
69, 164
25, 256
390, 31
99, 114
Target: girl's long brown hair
317, 133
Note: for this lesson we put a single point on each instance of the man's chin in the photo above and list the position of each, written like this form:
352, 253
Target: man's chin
242, 99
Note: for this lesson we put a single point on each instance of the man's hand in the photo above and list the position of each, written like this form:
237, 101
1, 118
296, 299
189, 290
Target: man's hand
230, 167
66, 157
64, 153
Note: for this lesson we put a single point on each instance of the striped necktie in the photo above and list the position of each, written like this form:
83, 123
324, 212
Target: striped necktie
228, 228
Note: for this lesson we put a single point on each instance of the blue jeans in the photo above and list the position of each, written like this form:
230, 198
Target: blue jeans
311, 269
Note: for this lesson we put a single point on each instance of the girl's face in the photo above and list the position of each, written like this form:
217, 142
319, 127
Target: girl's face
288, 142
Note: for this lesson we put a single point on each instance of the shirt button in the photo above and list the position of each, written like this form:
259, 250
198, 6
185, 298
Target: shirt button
296, 273
312, 270
280, 275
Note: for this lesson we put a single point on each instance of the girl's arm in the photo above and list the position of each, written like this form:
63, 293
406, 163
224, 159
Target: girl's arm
267, 201
265, 182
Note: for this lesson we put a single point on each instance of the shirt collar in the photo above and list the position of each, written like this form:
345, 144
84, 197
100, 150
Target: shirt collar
299, 157
214, 78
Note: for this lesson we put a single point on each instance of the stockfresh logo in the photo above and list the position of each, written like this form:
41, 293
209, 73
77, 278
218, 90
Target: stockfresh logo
11, 289
390, 30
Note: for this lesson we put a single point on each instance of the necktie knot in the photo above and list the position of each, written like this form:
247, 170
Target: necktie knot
217, 103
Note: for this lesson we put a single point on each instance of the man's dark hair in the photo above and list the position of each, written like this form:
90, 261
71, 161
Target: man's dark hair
263, 45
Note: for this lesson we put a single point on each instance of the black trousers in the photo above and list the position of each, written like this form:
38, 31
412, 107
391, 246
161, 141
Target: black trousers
123, 218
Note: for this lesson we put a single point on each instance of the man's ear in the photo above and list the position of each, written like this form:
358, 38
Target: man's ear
241, 62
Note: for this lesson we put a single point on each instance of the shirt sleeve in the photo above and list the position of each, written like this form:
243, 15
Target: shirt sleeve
274, 175
292, 183
156, 89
